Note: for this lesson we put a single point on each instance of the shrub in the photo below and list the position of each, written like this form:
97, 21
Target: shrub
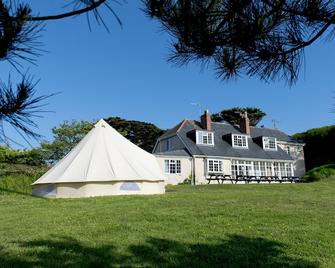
26, 157
21, 169
319, 173
319, 148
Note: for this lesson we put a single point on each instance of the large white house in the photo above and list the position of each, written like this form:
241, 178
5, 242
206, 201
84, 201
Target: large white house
197, 150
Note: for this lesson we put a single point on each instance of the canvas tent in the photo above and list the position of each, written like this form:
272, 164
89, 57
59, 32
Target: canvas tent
103, 163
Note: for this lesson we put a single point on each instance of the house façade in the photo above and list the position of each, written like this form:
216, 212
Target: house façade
194, 149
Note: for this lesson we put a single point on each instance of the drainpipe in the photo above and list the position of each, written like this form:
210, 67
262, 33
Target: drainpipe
193, 170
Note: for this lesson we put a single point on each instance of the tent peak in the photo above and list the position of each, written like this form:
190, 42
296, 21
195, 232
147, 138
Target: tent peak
101, 123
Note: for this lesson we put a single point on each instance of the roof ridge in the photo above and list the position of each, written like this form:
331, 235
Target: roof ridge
181, 124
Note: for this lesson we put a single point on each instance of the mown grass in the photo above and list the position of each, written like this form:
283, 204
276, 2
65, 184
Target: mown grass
204, 226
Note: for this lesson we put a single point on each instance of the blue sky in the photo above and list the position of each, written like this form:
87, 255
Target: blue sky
124, 73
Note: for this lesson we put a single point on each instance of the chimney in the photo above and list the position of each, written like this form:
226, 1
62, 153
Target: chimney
206, 120
245, 124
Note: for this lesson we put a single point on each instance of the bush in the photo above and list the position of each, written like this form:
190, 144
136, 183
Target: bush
319, 173
21, 169
26, 157
319, 148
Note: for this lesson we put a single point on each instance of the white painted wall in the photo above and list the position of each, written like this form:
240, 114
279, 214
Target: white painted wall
89, 189
201, 169
185, 168
200, 175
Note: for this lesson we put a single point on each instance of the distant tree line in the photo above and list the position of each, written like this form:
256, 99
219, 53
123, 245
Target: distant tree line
140, 133
69, 133
31, 157
320, 146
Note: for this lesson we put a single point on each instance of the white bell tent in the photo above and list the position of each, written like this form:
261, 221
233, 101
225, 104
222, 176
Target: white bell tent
103, 163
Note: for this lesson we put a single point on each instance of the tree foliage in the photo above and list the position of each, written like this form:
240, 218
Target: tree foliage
233, 115
68, 134
140, 133
319, 148
27, 157
261, 38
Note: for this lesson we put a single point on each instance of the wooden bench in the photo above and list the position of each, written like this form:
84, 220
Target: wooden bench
214, 176
291, 179
218, 177
251, 178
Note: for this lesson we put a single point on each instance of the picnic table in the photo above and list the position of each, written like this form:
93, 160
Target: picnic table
250, 178
218, 177
269, 179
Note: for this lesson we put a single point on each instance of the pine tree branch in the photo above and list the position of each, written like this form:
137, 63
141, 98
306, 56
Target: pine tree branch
295, 12
93, 6
310, 41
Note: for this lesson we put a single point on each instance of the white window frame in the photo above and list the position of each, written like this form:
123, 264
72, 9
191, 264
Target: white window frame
289, 169
261, 168
288, 150
239, 138
172, 166
216, 164
242, 167
266, 143
205, 138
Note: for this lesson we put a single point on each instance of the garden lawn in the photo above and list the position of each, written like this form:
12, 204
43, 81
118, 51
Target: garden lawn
268, 225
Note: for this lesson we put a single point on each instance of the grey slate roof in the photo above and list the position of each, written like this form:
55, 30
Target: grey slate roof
223, 147
175, 153
270, 132
171, 131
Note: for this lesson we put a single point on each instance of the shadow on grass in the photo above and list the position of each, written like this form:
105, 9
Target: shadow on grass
236, 251
9, 191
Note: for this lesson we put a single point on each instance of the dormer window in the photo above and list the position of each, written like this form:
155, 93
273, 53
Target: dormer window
205, 138
240, 141
269, 143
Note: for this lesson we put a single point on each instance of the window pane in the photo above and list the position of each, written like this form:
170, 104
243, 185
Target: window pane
288, 150
178, 167
262, 166
240, 141
214, 165
166, 166
210, 138
204, 139
269, 143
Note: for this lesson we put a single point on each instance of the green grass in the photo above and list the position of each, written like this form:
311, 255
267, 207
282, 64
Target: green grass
205, 226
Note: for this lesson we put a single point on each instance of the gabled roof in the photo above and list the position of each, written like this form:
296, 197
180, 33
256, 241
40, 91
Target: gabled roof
223, 148
174, 130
